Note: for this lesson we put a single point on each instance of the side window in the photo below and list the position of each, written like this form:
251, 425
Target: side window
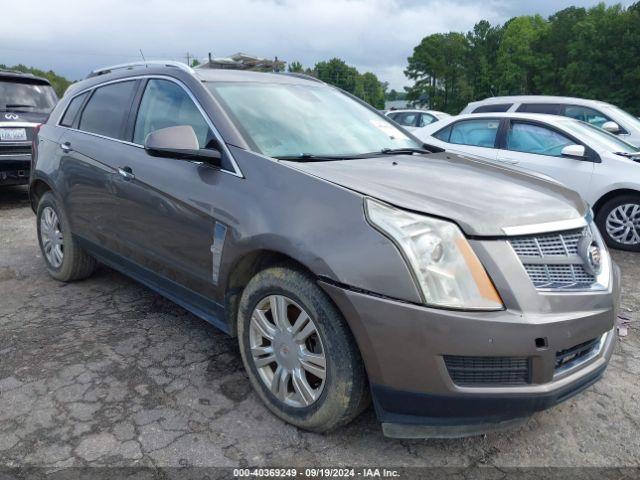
493, 108
72, 110
443, 134
107, 110
530, 138
426, 119
548, 108
586, 114
166, 104
479, 133
407, 119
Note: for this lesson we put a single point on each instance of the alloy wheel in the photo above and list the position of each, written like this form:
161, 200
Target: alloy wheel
623, 224
287, 351
51, 237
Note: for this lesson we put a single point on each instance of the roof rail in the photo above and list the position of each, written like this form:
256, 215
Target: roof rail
144, 64
17, 72
303, 75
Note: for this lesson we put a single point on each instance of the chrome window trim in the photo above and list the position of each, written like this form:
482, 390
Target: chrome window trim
236, 172
547, 227
18, 124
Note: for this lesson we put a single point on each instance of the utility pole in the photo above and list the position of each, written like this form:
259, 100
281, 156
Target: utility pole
188, 59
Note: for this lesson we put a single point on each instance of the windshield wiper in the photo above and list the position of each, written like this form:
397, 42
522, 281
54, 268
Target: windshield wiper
310, 157
409, 150
19, 105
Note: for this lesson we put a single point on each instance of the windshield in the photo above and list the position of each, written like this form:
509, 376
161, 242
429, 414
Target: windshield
26, 97
598, 138
281, 120
627, 118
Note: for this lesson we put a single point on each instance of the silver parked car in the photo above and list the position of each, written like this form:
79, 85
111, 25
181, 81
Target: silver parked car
601, 114
415, 118
600, 166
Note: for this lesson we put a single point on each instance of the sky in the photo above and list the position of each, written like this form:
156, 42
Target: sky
73, 37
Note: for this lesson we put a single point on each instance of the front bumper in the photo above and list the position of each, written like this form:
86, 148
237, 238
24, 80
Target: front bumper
403, 347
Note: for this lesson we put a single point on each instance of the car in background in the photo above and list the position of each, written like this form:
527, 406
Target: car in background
603, 168
601, 114
25, 103
411, 119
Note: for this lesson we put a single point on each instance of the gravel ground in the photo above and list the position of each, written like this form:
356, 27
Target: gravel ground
106, 372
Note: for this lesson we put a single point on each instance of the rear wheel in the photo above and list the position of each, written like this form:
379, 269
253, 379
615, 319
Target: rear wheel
619, 222
65, 259
300, 355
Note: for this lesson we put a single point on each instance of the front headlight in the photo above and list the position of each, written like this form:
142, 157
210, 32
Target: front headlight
447, 270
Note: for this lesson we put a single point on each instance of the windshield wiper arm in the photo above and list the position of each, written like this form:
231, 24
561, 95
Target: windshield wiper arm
410, 150
19, 105
310, 157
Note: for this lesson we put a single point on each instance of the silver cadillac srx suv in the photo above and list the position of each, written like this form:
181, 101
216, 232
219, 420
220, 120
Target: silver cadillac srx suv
351, 261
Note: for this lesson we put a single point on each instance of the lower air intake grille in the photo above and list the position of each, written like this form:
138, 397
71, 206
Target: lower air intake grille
487, 371
574, 355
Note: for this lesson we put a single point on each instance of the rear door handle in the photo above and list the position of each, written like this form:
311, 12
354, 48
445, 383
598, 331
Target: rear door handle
126, 173
66, 147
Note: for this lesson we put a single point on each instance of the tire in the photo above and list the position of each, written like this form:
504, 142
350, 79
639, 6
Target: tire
344, 391
609, 215
75, 263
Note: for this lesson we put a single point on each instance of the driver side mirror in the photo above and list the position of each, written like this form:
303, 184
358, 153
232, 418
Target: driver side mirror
611, 127
179, 142
574, 151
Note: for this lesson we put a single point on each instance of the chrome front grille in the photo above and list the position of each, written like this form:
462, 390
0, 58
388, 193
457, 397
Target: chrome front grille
548, 245
553, 261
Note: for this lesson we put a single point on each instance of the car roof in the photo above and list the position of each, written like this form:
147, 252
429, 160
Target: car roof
22, 77
181, 70
412, 110
536, 99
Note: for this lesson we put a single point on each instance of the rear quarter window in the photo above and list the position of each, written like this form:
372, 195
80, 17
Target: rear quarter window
72, 110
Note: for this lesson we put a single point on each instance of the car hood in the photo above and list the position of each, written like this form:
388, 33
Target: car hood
481, 197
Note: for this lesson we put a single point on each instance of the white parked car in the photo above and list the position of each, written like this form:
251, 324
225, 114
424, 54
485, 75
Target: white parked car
411, 119
600, 166
601, 114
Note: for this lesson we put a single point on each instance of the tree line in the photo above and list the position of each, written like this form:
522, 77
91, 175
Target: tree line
365, 86
589, 53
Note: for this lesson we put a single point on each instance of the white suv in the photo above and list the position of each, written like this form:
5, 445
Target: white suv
601, 114
601, 167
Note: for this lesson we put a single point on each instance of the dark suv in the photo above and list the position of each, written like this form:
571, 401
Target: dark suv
349, 260
25, 102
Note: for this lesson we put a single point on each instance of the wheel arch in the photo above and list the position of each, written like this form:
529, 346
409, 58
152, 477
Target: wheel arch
244, 269
613, 194
37, 188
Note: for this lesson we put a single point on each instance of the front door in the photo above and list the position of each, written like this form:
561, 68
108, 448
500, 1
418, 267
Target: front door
539, 148
168, 213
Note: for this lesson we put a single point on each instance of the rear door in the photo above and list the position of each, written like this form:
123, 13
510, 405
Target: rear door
92, 147
538, 147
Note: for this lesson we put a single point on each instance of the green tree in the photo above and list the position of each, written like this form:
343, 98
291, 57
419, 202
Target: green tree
296, 67
519, 63
338, 73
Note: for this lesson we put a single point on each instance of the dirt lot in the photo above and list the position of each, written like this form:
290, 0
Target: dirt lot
105, 372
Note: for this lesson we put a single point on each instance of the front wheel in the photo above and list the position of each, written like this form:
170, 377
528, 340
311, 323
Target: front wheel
619, 222
298, 351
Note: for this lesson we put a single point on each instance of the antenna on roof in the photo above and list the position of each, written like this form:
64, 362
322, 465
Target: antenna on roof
142, 55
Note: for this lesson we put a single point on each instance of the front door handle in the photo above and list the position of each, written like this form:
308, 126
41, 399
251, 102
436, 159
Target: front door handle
66, 147
126, 173
509, 161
